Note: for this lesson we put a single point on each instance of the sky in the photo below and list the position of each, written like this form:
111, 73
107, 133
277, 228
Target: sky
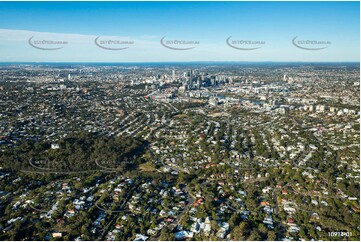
179, 31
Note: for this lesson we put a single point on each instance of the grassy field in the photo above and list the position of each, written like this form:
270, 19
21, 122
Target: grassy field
147, 167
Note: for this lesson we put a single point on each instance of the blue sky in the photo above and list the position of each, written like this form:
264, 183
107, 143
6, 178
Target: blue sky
208, 23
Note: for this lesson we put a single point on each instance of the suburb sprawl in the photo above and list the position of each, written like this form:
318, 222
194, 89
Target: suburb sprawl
201, 151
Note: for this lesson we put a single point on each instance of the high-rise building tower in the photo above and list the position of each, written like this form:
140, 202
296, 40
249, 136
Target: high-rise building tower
191, 79
173, 75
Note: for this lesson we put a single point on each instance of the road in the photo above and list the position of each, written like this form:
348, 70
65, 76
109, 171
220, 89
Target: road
276, 210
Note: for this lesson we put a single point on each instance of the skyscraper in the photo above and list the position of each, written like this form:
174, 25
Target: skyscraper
173, 75
191, 79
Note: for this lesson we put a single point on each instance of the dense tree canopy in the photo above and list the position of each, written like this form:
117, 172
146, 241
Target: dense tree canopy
76, 152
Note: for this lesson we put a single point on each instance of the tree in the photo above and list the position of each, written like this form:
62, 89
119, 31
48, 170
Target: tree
166, 235
233, 220
262, 228
254, 236
302, 234
240, 232
271, 235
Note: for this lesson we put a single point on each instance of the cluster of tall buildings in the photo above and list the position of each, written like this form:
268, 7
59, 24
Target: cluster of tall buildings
191, 80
